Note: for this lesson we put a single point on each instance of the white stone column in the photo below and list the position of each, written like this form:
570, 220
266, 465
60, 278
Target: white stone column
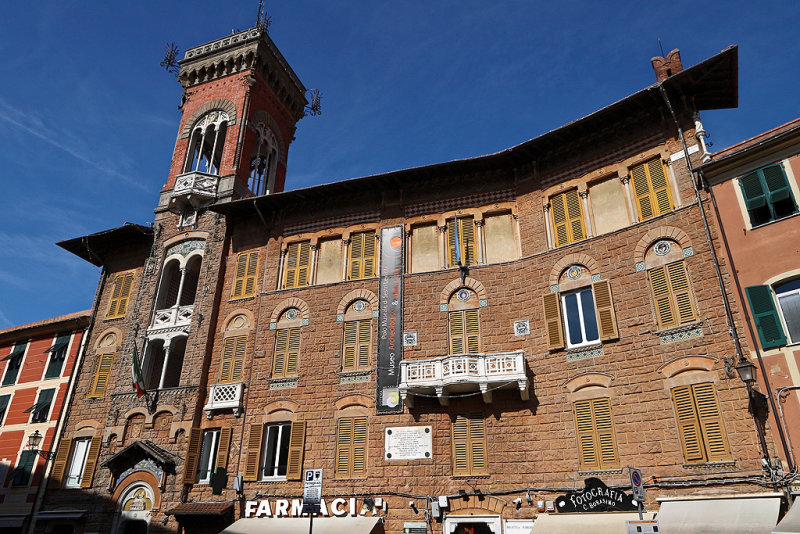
626, 185
585, 203
548, 228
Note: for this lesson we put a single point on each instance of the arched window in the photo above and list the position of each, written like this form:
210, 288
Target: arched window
464, 324
263, 161
286, 355
357, 340
206, 143
669, 284
163, 362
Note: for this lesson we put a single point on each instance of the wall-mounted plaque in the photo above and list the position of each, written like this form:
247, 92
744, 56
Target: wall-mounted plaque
408, 443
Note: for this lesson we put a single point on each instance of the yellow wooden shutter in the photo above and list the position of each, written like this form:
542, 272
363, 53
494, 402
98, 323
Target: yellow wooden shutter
297, 440
92, 456
119, 297
293, 353
224, 448
714, 436
240, 276
472, 332
606, 440
604, 307
192, 455
344, 447
99, 382
297, 264
651, 189
659, 286
552, 320
681, 292
226, 365
360, 438
60, 463
279, 355
250, 274
253, 455
112, 306
688, 424
364, 343
466, 240
477, 442
239, 350
456, 332
584, 423
350, 345
362, 255
568, 225
460, 446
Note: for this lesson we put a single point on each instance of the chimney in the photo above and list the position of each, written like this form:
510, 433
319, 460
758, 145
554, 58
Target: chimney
666, 67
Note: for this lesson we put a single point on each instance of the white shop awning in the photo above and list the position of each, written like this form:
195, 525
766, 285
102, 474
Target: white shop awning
600, 523
735, 515
299, 525
790, 524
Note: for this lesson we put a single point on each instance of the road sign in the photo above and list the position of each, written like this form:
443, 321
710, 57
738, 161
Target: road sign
636, 484
312, 490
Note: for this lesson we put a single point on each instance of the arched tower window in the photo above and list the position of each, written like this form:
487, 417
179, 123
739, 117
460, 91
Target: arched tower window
207, 142
263, 161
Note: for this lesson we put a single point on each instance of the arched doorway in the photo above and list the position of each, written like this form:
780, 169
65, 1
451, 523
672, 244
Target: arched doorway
134, 509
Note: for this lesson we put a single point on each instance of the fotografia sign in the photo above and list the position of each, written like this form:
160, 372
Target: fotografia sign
595, 497
390, 321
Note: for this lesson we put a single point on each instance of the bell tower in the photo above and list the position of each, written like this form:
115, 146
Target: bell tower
241, 103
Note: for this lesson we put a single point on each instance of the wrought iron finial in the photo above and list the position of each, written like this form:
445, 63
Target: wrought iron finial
170, 63
315, 107
263, 21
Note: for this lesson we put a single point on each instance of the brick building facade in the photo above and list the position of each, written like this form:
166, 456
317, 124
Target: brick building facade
457, 346
36, 371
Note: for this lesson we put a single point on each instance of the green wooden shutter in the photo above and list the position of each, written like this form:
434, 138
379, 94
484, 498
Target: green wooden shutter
753, 193
768, 324
3, 406
776, 182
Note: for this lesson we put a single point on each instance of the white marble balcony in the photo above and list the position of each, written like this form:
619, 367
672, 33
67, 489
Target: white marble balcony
224, 397
463, 373
193, 189
176, 317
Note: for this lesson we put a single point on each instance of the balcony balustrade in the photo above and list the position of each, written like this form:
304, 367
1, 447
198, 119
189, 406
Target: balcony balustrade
462, 373
224, 397
171, 318
194, 189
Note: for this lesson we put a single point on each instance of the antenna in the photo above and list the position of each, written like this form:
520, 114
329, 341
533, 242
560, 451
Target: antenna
659, 45
263, 21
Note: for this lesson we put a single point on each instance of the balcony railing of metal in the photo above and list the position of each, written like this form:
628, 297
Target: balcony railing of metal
463, 372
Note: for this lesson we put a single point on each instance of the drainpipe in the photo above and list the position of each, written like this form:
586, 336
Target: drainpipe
728, 313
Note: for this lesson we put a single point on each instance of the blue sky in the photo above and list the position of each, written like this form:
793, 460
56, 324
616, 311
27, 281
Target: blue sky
88, 119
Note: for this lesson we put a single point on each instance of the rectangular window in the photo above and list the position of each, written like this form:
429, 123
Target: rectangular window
700, 423
276, 451
357, 345
298, 256
233, 354
672, 294
22, 473
501, 243
41, 409
329, 262
568, 225
208, 455
651, 189
119, 297
767, 194
287, 352
351, 447
244, 282
58, 353
464, 234
425, 249
609, 206
14, 363
596, 441
99, 381
465, 334
580, 321
4, 402
789, 303
362, 256
469, 445
77, 463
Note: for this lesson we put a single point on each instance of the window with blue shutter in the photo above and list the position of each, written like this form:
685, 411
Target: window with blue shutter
767, 194
13, 363
41, 409
21, 475
768, 323
58, 353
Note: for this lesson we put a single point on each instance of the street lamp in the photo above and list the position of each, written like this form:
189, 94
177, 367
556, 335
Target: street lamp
34, 440
747, 371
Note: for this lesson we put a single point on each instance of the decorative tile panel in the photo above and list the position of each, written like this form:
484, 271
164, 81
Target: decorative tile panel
639, 266
688, 251
554, 288
483, 303
283, 383
697, 331
442, 307
595, 278
522, 328
592, 352
349, 378
273, 326
339, 317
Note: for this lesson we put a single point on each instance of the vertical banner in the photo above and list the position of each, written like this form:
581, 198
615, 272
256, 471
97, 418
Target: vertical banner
390, 321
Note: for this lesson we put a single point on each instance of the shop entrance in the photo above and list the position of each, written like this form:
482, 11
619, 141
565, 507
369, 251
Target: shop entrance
473, 528
471, 524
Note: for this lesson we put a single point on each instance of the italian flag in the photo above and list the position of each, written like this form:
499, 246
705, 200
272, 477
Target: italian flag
137, 380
